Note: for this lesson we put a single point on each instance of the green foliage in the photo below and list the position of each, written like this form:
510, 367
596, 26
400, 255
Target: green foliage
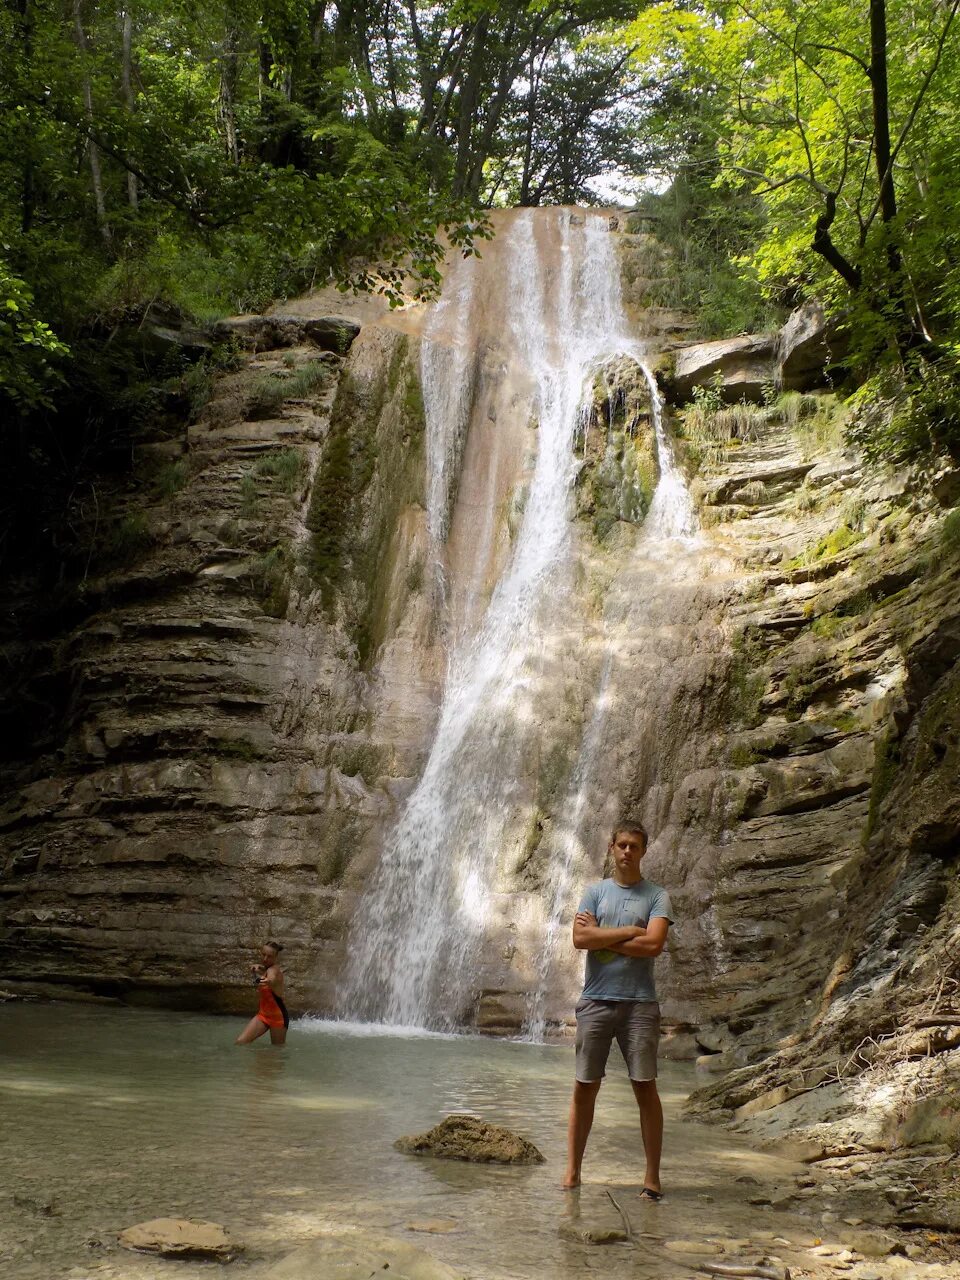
30, 352
886, 764
343, 474
359, 760
800, 687
710, 231
949, 536
788, 107
827, 626
746, 681
285, 467
249, 495
902, 416
270, 576
741, 756
124, 541
170, 478
830, 545
709, 427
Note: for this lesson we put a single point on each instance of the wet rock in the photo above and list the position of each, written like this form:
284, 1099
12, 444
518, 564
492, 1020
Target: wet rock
692, 1247
179, 1238
581, 1232
42, 1206
359, 1255
747, 1269
464, 1137
872, 1244
164, 328
501, 1012
592, 1215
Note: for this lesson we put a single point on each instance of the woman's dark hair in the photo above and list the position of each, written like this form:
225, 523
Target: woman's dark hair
630, 827
276, 946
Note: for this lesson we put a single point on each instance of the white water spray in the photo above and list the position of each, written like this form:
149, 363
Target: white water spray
418, 932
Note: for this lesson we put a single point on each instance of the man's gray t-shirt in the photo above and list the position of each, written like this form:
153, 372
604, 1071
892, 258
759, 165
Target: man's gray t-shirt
611, 976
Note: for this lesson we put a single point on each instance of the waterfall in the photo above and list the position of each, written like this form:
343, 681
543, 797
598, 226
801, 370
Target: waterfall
568, 856
670, 520
417, 935
447, 370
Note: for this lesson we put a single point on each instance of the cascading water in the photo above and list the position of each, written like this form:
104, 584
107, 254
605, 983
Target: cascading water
670, 520
417, 934
568, 856
447, 371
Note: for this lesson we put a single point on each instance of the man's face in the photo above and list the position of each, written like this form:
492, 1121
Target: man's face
627, 849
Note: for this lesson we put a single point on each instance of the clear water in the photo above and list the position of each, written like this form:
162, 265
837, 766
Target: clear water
117, 1116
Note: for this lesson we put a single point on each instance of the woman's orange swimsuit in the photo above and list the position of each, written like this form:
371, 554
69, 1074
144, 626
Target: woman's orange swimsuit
272, 1011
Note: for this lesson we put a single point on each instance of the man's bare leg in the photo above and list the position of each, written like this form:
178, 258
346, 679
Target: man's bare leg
651, 1128
581, 1121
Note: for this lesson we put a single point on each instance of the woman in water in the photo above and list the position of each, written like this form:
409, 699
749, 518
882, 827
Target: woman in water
272, 1015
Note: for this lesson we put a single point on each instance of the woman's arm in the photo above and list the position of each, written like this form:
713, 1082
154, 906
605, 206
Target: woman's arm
273, 978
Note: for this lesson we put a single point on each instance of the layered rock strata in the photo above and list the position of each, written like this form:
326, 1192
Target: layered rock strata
223, 729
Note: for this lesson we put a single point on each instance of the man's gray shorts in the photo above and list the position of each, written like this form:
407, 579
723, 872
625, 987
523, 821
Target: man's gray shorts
634, 1024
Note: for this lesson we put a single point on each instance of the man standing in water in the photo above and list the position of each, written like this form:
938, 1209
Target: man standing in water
622, 925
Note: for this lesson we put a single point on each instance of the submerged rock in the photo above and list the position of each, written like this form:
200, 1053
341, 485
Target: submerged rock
469, 1138
179, 1238
593, 1216
359, 1255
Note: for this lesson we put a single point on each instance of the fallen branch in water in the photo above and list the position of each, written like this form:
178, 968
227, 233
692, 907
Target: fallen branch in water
747, 1270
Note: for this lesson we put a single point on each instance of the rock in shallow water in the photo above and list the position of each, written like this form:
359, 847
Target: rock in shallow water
179, 1238
359, 1255
469, 1138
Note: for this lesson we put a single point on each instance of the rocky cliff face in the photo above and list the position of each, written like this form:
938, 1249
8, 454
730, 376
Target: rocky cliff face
220, 735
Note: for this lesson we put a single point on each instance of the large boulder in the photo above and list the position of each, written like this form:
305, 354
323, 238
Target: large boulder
274, 332
179, 1238
469, 1138
807, 345
740, 368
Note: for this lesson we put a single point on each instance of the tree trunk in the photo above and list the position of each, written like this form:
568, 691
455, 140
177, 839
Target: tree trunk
469, 92
881, 108
229, 77
93, 151
909, 323
528, 140
126, 74
27, 185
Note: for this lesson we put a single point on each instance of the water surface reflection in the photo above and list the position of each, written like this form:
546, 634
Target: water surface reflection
110, 1116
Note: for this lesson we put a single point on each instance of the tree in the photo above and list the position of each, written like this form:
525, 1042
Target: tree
809, 113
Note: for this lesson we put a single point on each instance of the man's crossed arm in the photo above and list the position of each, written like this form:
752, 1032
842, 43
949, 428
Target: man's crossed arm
628, 940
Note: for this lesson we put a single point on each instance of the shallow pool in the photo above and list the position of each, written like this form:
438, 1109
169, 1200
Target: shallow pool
109, 1116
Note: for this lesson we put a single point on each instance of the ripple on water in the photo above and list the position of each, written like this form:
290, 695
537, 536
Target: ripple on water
109, 1116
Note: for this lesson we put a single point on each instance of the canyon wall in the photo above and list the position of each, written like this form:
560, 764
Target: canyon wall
218, 737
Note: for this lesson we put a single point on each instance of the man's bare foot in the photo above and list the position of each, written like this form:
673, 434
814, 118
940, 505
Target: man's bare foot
570, 1181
